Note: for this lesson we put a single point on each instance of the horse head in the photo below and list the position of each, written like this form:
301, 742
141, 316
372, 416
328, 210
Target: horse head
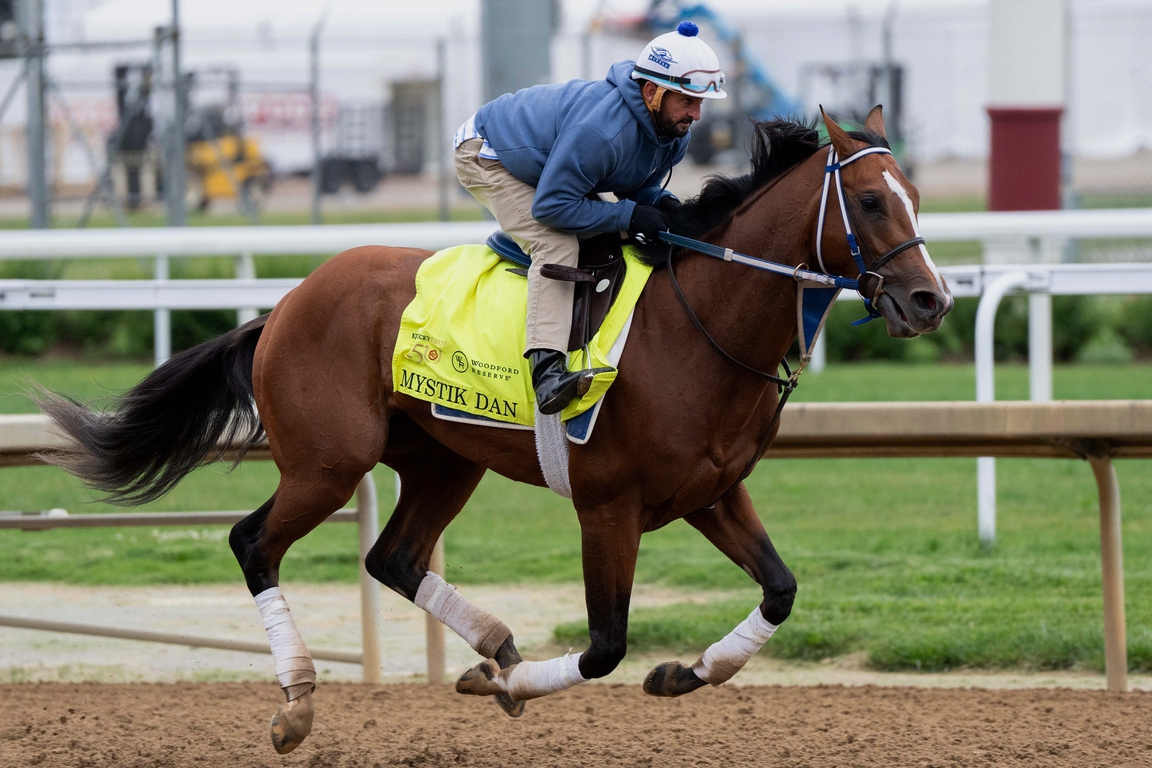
882, 207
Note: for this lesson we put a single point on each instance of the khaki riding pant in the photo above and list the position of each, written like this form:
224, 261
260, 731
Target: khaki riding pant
510, 201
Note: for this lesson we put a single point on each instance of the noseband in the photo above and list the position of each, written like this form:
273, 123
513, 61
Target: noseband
871, 284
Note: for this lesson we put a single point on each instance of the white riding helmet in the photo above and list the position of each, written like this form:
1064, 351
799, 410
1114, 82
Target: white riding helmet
682, 62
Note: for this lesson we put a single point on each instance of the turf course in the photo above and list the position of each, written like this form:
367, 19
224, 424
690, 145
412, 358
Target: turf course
885, 551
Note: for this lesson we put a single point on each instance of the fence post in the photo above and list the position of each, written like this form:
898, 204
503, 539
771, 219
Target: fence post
433, 629
246, 270
1040, 346
986, 393
819, 354
1112, 569
161, 318
370, 624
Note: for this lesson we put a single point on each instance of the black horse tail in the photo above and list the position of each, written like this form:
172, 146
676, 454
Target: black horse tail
188, 412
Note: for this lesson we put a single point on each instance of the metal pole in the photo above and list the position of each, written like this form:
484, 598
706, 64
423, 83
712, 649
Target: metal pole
370, 626
1040, 346
161, 318
32, 23
986, 393
175, 182
246, 270
433, 629
314, 94
442, 132
1112, 566
171, 638
104, 176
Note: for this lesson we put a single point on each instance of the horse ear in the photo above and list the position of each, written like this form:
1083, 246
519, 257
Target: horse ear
840, 139
875, 121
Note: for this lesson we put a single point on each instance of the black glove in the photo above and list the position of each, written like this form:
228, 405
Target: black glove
646, 221
669, 205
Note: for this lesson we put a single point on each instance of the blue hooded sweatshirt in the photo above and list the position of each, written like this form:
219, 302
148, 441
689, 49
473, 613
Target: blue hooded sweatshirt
582, 136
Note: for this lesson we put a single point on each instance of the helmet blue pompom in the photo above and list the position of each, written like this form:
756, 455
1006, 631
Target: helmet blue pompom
688, 29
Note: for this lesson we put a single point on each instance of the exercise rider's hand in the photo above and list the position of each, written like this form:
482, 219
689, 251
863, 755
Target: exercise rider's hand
669, 205
646, 222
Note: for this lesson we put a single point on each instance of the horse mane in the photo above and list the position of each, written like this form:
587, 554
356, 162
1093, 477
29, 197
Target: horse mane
778, 146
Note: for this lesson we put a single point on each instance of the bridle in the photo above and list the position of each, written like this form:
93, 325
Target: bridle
870, 284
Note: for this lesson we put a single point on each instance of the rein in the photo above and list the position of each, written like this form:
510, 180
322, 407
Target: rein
870, 285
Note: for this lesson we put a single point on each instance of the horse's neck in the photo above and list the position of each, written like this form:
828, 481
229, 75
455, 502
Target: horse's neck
752, 313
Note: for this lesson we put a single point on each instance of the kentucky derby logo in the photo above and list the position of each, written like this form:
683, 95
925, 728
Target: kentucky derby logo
661, 56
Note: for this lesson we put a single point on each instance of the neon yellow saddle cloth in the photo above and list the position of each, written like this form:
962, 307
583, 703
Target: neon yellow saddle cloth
462, 338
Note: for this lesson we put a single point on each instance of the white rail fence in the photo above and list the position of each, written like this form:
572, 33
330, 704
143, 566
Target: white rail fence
365, 515
1034, 234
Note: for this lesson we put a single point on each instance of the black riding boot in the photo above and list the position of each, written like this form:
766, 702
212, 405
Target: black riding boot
555, 385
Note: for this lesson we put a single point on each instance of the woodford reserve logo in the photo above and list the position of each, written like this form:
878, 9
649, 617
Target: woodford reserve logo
429, 350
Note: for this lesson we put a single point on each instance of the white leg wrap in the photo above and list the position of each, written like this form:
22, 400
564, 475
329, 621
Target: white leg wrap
724, 659
532, 679
483, 631
293, 662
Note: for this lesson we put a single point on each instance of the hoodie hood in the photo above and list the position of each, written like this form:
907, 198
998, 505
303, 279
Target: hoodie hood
620, 75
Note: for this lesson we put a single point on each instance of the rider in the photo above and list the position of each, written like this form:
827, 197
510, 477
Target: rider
539, 158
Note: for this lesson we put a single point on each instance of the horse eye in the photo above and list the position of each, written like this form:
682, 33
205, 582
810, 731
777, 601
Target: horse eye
870, 204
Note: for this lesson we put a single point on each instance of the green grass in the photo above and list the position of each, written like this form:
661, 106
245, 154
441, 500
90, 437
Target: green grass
885, 551
887, 559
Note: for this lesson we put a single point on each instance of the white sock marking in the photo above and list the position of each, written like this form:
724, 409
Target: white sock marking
898, 188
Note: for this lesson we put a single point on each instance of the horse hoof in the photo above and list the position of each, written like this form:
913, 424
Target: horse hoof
292, 724
511, 707
671, 679
481, 680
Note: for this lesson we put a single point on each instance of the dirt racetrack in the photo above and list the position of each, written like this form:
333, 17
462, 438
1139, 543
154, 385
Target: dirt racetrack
224, 725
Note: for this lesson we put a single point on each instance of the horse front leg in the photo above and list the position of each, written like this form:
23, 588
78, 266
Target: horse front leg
609, 545
732, 525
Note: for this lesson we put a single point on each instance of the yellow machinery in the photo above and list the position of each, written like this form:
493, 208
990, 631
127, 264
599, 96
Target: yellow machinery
224, 168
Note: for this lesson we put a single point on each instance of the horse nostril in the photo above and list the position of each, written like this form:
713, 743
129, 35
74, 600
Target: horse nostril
928, 302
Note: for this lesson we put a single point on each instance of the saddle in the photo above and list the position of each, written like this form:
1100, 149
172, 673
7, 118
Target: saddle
597, 280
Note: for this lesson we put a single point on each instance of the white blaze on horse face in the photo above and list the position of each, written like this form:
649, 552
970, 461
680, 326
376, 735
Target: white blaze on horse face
898, 188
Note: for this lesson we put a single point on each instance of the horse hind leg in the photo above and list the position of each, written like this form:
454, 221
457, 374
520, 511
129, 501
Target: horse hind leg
259, 542
435, 483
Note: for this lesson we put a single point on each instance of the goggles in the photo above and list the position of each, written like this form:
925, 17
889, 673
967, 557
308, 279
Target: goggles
696, 81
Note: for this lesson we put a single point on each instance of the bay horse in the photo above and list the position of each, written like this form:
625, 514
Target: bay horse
679, 427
